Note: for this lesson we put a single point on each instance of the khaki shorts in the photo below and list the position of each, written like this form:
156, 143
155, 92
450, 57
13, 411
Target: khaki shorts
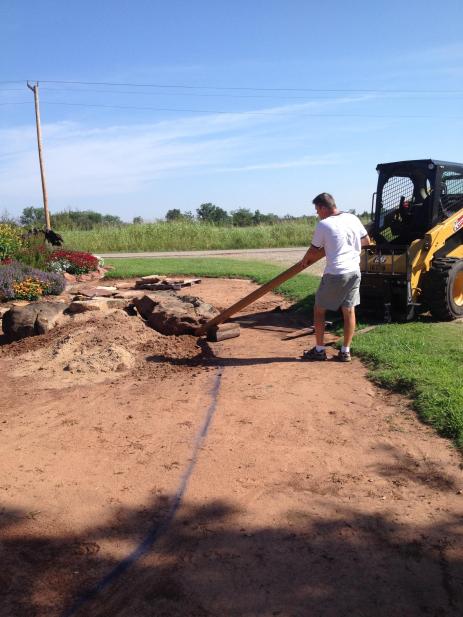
338, 290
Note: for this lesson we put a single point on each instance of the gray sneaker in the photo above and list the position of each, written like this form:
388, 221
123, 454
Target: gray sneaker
343, 356
313, 354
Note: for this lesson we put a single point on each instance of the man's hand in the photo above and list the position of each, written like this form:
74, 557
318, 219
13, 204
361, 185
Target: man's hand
313, 254
365, 241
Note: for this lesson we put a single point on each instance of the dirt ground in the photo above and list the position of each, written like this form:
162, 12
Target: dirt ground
145, 476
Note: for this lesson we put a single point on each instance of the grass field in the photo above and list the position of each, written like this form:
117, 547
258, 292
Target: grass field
184, 236
421, 359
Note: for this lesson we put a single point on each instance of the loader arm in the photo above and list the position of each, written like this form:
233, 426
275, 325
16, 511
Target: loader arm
422, 252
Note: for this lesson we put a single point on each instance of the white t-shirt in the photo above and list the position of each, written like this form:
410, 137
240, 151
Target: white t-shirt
340, 235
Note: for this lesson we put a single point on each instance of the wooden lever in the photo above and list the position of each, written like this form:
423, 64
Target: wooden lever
252, 297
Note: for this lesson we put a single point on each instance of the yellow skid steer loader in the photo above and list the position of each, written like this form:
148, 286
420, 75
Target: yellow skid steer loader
416, 260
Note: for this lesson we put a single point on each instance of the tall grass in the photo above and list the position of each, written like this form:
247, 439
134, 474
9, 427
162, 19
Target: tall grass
187, 236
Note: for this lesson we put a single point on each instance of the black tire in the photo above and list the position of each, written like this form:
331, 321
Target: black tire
443, 289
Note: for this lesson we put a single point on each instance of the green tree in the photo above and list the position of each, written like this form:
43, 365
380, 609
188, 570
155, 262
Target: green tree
137, 220
264, 219
111, 219
173, 215
32, 217
210, 213
7, 218
243, 217
268, 219
83, 219
365, 217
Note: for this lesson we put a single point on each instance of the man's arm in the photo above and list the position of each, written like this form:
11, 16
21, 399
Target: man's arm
313, 254
365, 241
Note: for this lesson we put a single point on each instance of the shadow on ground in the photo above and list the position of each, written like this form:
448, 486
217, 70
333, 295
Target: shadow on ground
208, 565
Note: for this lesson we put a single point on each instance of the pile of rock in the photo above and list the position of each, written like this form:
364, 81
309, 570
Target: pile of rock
163, 283
162, 310
99, 273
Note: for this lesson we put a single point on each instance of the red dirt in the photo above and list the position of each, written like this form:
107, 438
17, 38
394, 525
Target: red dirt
314, 492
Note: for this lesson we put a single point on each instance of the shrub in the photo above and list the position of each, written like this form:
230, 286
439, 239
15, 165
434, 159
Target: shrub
73, 262
53, 283
34, 250
10, 241
17, 280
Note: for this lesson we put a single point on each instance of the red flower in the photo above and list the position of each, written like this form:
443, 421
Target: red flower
81, 262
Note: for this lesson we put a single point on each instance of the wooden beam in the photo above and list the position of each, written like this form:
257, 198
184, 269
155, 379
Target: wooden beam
252, 297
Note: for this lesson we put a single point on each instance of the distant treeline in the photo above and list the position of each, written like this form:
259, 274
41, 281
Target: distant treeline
209, 213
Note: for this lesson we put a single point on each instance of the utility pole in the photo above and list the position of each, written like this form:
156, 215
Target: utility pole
35, 90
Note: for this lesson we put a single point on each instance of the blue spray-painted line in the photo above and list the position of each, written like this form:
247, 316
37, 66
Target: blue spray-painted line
159, 529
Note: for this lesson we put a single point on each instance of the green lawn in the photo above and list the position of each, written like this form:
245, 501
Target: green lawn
301, 288
423, 360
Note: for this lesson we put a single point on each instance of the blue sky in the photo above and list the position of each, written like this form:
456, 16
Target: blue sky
257, 104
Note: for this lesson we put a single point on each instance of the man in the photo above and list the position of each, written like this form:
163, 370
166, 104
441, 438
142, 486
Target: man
339, 236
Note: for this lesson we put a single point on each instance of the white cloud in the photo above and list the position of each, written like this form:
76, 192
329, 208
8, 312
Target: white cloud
305, 161
84, 162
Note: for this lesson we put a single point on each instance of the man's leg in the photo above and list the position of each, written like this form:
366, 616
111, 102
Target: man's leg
318, 352
319, 324
348, 313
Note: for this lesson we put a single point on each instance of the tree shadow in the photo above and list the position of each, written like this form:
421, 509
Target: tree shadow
219, 361
277, 320
305, 305
404, 468
206, 564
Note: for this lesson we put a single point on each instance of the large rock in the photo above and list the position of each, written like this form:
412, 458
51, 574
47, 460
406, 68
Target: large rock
171, 314
33, 319
102, 291
145, 305
97, 304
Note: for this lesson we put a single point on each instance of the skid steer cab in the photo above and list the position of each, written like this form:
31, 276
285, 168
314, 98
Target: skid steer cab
415, 262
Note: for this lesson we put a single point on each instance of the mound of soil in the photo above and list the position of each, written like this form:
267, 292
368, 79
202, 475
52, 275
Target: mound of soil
91, 350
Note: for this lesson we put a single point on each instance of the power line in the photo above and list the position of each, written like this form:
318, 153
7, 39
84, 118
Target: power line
197, 94
246, 88
235, 96
247, 113
188, 94
231, 112
17, 103
241, 113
